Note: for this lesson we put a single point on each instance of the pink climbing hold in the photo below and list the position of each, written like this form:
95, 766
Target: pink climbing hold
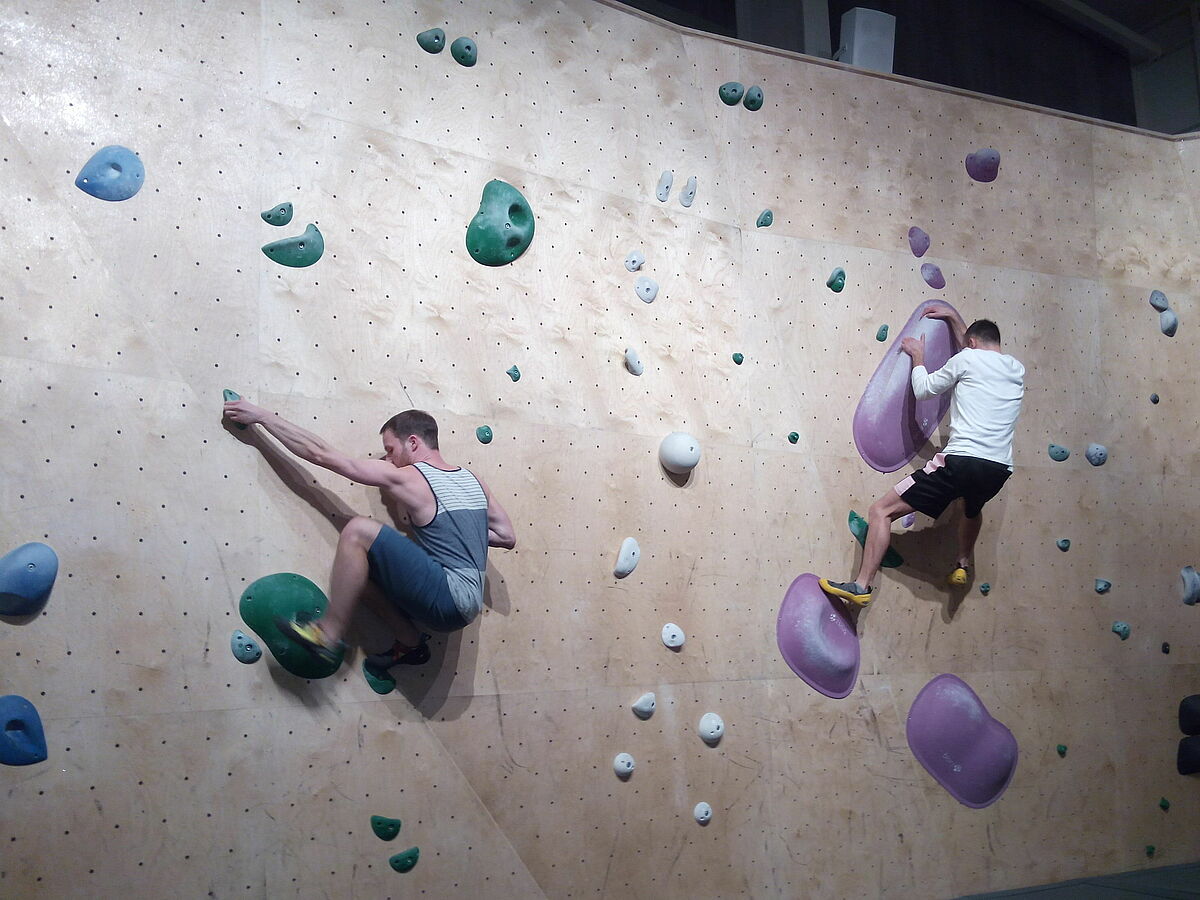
918, 241
817, 638
933, 276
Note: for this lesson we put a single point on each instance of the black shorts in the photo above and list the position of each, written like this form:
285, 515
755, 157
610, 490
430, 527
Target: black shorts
947, 478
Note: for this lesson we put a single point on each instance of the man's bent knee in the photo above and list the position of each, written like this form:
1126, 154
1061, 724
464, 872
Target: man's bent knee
362, 531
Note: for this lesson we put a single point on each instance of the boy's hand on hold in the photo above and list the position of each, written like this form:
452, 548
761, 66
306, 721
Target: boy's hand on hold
914, 348
243, 412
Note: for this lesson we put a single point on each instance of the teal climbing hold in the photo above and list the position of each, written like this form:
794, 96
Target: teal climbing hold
514, 373
731, 92
484, 433
404, 862
280, 215
1121, 629
230, 396
1058, 453
881, 334
1164, 804
245, 649
1150, 850
738, 359
464, 52
380, 680
859, 527
385, 829
432, 41
503, 228
1103, 585
765, 219
1063, 544
837, 280
22, 739
985, 589
286, 596
753, 100
27, 576
113, 173
297, 252
794, 437
1062, 750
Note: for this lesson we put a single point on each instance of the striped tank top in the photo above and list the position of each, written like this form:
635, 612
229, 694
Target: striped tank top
457, 538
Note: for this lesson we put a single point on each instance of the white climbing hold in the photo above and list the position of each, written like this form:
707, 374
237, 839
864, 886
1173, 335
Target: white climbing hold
664, 185
1191, 585
711, 728
627, 559
672, 636
633, 362
1168, 322
679, 452
623, 765
647, 288
643, 706
702, 812
635, 260
688, 194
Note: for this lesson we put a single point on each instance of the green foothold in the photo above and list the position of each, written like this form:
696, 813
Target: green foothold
794, 437
432, 41
514, 373
404, 862
385, 829
280, 215
297, 252
858, 528
287, 596
1063, 544
731, 92
1164, 804
229, 397
380, 682
738, 359
1058, 453
881, 334
765, 219
503, 228
837, 280
464, 52
1062, 749
484, 433
753, 100
985, 589
1121, 630
1150, 848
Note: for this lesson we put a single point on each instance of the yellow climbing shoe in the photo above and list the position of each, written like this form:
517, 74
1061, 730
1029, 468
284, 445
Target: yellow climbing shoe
959, 577
312, 637
847, 590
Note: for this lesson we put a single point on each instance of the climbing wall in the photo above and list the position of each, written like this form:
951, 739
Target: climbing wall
174, 770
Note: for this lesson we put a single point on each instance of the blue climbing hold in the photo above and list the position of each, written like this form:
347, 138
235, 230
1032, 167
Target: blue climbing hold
22, 741
113, 173
1096, 454
1058, 453
1064, 544
1103, 585
245, 649
26, 577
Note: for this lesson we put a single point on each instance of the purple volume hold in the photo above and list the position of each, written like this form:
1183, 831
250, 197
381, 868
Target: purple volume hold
918, 241
983, 165
933, 276
890, 424
951, 733
817, 639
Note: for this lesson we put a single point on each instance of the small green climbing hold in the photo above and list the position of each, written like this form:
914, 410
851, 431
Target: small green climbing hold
731, 92
1058, 453
753, 100
985, 589
464, 52
738, 359
1062, 749
484, 433
230, 396
765, 219
794, 437
837, 280
1150, 848
381, 681
858, 528
432, 41
280, 215
286, 596
503, 228
881, 334
1063, 544
404, 862
1121, 629
385, 829
1164, 804
514, 373
297, 252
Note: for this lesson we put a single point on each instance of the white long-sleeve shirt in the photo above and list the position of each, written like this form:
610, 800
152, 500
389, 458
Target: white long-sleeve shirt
988, 388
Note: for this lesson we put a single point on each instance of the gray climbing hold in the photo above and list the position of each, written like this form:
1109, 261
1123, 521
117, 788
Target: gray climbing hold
1103, 585
765, 219
933, 276
918, 241
881, 334
1063, 544
1154, 398
1121, 629
299, 251
1059, 453
279, 215
633, 362
983, 165
627, 559
27, 576
465, 52
702, 813
514, 373
432, 41
1096, 454
1159, 301
688, 194
672, 636
245, 649
679, 452
484, 434
711, 729
635, 260
1191, 585
647, 288
731, 92
665, 180
643, 706
113, 173
753, 100
623, 765
1168, 322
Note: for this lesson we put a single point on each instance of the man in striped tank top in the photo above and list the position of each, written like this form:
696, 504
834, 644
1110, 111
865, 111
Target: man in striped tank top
436, 577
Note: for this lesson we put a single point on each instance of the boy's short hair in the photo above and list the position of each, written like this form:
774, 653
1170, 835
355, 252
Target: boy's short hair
413, 421
985, 331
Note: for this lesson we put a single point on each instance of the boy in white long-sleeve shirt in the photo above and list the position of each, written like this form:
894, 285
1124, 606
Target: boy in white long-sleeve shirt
988, 387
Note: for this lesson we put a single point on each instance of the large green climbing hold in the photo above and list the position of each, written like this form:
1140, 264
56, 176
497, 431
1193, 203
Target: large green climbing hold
858, 528
464, 52
385, 829
753, 100
432, 41
286, 596
837, 280
404, 862
503, 228
230, 396
297, 252
731, 92
280, 215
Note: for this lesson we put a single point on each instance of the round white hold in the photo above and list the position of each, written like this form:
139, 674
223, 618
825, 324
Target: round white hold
623, 765
679, 452
702, 812
643, 706
627, 559
647, 288
635, 260
672, 635
711, 728
633, 362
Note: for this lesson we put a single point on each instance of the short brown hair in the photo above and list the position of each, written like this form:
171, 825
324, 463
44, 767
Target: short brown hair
413, 421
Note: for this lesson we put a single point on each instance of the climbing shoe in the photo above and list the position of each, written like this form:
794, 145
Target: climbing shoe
311, 637
400, 655
848, 591
959, 577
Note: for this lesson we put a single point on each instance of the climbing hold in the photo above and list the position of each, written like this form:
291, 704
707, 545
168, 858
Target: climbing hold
22, 740
245, 649
385, 829
1159, 301
647, 288
379, 680
909, 520
702, 812
817, 639
753, 100
280, 215
1150, 849
464, 52
1166, 648
432, 41
1191, 585
26, 578
738, 359
484, 434
985, 589
1168, 322
503, 228
1121, 629
731, 92
933, 276
1096, 454
766, 219
859, 528
983, 165
688, 194
837, 280
297, 252
679, 452
793, 437
643, 706
514, 373
1063, 544
672, 636
635, 260
229, 396
633, 362
918, 241
627, 559
623, 765
1058, 453
286, 596
1062, 750
1164, 804
1154, 398
1103, 585
663, 191
711, 729
113, 173
404, 862
881, 334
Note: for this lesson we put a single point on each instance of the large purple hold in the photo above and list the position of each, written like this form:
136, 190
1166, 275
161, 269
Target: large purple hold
890, 424
984, 165
951, 733
933, 276
817, 639
918, 241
